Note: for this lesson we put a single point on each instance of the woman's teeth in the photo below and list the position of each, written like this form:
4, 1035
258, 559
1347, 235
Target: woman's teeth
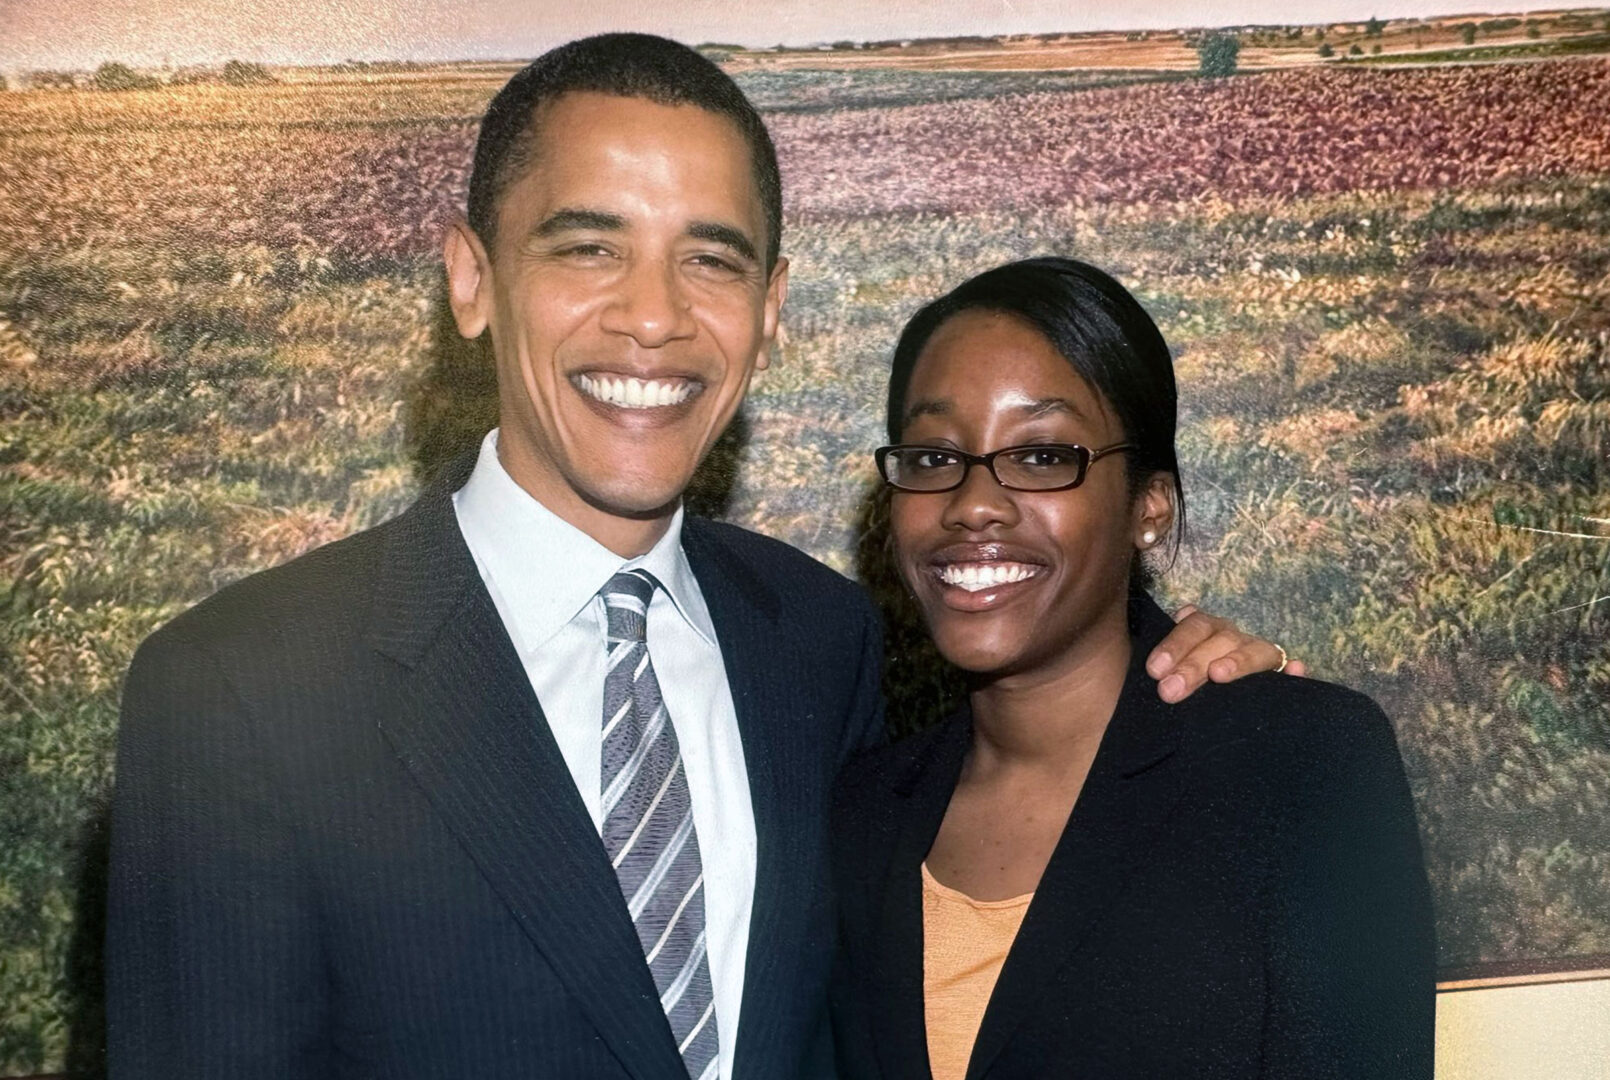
974, 577
635, 393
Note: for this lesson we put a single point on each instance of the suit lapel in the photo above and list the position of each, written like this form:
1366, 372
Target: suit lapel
470, 731
764, 674
1125, 802
923, 794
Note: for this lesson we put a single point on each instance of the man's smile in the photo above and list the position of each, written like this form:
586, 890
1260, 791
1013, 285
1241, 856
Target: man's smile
630, 392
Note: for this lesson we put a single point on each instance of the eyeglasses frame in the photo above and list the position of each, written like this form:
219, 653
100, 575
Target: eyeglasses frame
988, 461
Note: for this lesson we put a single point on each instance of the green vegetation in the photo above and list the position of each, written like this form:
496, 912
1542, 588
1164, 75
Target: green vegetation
1580, 45
1216, 55
805, 91
115, 76
245, 73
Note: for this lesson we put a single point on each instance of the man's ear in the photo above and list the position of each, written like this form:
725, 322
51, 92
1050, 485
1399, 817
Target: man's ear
771, 320
1154, 511
469, 279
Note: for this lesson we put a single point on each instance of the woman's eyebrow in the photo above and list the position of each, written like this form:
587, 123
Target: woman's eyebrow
930, 407
1044, 406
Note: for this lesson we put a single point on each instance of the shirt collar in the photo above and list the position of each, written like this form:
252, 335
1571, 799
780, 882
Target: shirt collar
545, 568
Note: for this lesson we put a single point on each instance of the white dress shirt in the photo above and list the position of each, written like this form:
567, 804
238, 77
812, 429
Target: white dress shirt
544, 575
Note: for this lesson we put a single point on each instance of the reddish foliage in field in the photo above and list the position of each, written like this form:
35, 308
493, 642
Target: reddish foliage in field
351, 192
1294, 133
356, 192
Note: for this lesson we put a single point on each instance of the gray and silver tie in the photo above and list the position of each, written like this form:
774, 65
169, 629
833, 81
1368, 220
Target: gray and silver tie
648, 826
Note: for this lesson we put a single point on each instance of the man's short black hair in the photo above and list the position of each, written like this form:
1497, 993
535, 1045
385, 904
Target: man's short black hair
626, 65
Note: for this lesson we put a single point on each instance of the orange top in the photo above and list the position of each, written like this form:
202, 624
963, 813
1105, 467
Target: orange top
964, 944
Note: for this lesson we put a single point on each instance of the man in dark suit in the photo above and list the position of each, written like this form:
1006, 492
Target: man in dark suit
532, 780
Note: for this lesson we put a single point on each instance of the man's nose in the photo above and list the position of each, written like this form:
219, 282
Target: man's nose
650, 305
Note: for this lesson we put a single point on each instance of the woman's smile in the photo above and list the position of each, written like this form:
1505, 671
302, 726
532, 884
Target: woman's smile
1008, 578
980, 577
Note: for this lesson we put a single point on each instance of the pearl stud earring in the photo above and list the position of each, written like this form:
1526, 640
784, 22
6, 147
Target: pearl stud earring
1148, 538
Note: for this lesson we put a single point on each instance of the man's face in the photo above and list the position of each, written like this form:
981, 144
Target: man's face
628, 303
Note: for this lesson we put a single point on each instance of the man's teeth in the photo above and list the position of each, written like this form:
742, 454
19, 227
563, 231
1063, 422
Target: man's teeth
635, 393
976, 576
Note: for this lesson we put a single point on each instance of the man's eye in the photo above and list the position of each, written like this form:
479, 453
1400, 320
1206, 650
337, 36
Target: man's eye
585, 251
717, 263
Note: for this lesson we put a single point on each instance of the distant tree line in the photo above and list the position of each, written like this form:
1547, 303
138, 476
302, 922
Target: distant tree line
114, 76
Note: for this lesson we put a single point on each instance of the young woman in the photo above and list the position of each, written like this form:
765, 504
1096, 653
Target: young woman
1067, 877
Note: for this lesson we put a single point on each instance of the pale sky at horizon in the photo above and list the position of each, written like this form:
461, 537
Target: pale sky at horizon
73, 34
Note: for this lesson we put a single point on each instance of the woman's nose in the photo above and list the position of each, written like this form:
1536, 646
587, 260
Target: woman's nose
980, 503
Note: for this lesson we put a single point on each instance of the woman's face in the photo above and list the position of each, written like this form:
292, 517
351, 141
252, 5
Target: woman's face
1012, 581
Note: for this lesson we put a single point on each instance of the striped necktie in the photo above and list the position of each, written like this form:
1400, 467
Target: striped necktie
648, 826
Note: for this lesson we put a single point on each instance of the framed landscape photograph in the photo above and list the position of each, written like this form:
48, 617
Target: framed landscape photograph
1378, 244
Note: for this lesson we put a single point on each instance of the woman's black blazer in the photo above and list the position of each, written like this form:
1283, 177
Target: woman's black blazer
1238, 893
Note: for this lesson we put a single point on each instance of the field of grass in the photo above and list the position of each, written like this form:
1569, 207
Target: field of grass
1575, 45
222, 342
1268, 45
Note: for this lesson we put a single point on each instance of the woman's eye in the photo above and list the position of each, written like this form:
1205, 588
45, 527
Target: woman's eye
930, 459
1045, 457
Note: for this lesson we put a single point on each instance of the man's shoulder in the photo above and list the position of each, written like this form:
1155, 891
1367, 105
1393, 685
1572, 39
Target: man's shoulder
781, 566
319, 596
904, 763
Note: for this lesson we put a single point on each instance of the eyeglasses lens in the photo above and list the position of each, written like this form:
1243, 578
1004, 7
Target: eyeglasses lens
1028, 468
1040, 468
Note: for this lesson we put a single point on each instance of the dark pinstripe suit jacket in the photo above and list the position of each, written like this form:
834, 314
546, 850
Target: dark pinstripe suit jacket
344, 842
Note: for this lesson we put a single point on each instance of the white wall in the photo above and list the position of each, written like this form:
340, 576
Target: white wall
1554, 1031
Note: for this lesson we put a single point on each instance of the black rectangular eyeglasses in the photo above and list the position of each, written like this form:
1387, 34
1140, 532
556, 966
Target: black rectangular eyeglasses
1040, 467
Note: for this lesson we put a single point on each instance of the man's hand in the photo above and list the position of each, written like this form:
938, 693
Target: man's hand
1203, 647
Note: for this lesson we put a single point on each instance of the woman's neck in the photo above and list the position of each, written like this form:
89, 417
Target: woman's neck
1054, 716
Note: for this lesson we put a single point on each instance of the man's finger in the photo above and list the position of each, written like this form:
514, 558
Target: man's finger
1192, 629
1255, 655
1192, 670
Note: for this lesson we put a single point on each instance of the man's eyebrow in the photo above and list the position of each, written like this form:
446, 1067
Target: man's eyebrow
575, 218
726, 235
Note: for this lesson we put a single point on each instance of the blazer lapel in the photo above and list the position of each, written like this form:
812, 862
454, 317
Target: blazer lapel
470, 731
1127, 798
763, 673
923, 794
